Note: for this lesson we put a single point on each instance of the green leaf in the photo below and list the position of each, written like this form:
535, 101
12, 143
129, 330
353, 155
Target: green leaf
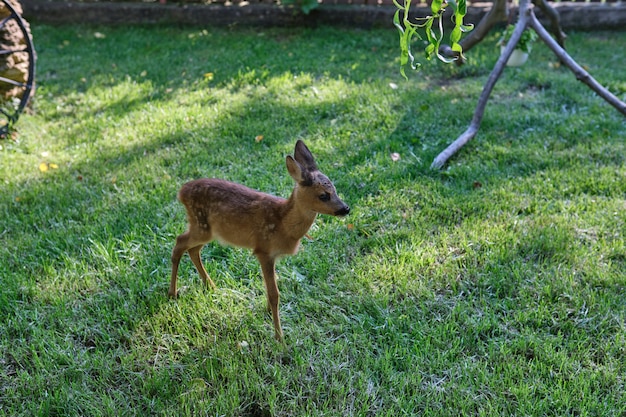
453, 5
396, 20
436, 6
430, 49
406, 35
462, 8
434, 35
445, 59
455, 35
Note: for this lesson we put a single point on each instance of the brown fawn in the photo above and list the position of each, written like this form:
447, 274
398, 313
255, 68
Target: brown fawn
270, 226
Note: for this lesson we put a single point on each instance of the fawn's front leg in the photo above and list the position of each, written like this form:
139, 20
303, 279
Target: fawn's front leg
273, 295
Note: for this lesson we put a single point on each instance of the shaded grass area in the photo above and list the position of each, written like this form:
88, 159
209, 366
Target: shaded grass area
493, 287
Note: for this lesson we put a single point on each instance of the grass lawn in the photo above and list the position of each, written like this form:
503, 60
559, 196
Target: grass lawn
493, 287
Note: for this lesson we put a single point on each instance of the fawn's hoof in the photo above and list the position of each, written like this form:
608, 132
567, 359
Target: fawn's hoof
174, 294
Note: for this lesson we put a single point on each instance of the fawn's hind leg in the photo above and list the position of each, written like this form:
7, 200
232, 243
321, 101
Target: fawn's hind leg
194, 254
186, 242
177, 253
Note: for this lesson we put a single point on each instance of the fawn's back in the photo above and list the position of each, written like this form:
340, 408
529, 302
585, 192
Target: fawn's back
237, 215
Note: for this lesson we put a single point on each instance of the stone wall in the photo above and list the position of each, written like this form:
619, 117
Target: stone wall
13, 66
574, 15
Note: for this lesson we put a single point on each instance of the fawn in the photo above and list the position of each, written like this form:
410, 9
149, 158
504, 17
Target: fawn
270, 226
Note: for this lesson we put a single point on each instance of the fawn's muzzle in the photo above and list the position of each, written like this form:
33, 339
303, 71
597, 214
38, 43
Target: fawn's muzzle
343, 211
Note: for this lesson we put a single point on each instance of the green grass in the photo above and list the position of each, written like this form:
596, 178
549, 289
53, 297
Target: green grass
493, 287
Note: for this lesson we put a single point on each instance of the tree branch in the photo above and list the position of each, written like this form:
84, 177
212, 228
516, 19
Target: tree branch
527, 18
469, 134
578, 71
555, 21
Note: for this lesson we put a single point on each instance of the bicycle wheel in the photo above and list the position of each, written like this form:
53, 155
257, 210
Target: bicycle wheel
17, 64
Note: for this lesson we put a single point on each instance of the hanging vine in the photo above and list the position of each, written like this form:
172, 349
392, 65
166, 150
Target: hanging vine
433, 29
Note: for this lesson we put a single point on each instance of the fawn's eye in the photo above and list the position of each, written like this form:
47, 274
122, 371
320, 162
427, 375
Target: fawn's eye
324, 197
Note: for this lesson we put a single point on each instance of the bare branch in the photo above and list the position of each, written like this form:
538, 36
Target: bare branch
555, 20
578, 71
469, 134
527, 18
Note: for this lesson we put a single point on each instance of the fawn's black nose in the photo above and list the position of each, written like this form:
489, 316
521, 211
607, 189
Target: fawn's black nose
343, 211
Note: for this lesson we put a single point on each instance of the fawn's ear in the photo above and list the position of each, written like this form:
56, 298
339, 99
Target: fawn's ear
297, 173
304, 157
